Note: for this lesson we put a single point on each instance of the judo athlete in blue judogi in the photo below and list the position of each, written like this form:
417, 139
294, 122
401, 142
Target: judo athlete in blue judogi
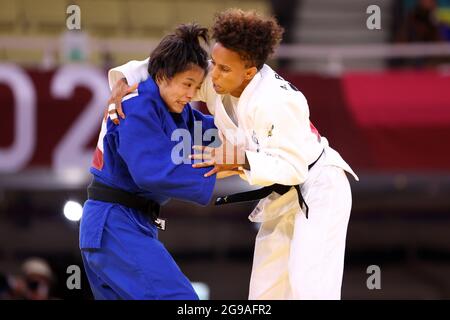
134, 172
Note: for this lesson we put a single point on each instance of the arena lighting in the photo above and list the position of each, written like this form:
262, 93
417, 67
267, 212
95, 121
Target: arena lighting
202, 290
73, 210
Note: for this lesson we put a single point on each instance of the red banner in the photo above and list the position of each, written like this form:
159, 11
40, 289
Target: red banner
381, 122
50, 118
388, 121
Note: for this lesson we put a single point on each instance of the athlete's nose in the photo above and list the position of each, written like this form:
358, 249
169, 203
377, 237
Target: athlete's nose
191, 93
215, 73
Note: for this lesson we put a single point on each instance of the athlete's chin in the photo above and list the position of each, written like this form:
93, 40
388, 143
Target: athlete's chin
177, 108
219, 89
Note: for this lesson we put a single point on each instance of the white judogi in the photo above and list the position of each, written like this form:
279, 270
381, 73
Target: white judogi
295, 257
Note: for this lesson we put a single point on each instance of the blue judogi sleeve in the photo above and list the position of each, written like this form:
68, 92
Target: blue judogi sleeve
147, 151
207, 124
207, 120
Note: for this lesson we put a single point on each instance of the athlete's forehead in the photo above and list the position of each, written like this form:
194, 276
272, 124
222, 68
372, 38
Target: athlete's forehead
194, 75
223, 56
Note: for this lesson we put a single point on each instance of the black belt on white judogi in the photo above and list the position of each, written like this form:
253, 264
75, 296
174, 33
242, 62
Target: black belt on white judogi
264, 192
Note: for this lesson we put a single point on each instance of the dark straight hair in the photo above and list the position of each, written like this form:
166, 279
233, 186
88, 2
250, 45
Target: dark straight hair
178, 51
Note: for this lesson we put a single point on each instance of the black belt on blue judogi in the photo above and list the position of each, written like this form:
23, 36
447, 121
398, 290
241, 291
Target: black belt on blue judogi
100, 192
264, 192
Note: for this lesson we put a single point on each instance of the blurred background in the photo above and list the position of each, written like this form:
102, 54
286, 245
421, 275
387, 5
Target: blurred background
377, 80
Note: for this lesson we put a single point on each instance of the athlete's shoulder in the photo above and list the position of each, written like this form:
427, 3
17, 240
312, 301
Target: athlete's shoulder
275, 89
144, 100
146, 90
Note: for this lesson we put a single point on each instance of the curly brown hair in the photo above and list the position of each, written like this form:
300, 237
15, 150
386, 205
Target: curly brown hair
248, 33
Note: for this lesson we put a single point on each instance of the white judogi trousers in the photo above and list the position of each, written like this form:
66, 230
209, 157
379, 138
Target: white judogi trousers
296, 257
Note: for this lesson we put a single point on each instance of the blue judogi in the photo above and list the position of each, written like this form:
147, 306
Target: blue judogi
121, 253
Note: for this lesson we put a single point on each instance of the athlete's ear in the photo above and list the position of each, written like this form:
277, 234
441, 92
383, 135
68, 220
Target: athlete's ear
250, 73
160, 80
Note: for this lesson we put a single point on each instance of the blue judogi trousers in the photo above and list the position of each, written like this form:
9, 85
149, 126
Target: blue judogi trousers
124, 259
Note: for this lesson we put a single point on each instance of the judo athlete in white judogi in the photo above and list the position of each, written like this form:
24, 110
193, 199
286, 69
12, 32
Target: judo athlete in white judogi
300, 246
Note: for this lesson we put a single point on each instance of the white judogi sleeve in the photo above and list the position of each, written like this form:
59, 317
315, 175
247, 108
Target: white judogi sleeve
134, 71
284, 143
